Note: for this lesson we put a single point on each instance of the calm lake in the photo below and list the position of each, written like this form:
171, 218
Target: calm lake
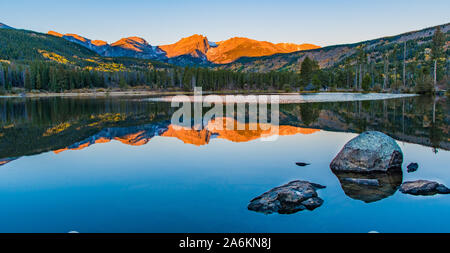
118, 165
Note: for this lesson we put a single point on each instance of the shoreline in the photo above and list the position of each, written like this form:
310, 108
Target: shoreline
143, 93
91, 94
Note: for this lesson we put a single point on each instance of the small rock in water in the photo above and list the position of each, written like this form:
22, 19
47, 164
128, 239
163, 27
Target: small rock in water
369, 152
287, 199
412, 167
423, 187
302, 164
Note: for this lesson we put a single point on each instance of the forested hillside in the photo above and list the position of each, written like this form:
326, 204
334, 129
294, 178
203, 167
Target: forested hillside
399, 62
411, 62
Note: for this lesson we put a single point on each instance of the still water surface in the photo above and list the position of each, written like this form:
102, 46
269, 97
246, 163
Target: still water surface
117, 165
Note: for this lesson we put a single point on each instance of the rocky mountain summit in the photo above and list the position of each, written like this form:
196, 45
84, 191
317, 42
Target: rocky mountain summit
196, 46
134, 47
235, 48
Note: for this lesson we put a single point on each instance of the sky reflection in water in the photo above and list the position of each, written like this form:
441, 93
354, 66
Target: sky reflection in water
169, 186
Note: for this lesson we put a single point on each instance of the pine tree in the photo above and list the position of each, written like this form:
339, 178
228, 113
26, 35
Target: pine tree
367, 80
307, 68
53, 84
386, 72
27, 80
437, 49
122, 81
38, 81
404, 64
2, 76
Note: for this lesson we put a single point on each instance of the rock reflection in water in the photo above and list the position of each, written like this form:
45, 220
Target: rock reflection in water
370, 187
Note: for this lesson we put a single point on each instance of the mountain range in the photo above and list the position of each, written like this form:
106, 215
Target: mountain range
236, 54
194, 49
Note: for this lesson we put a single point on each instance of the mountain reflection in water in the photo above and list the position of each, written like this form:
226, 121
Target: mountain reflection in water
141, 135
33, 126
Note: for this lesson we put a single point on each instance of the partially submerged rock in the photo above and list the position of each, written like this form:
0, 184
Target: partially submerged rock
369, 152
370, 187
287, 199
302, 164
412, 167
362, 181
423, 187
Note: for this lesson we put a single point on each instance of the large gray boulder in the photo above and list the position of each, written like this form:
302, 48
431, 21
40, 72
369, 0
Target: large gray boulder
369, 152
423, 187
287, 199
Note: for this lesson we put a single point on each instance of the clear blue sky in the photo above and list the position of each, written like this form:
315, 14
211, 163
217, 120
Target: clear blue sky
322, 22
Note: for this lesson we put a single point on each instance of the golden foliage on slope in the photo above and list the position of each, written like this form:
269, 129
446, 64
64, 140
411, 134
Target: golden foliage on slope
57, 129
107, 117
55, 57
101, 66
105, 66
